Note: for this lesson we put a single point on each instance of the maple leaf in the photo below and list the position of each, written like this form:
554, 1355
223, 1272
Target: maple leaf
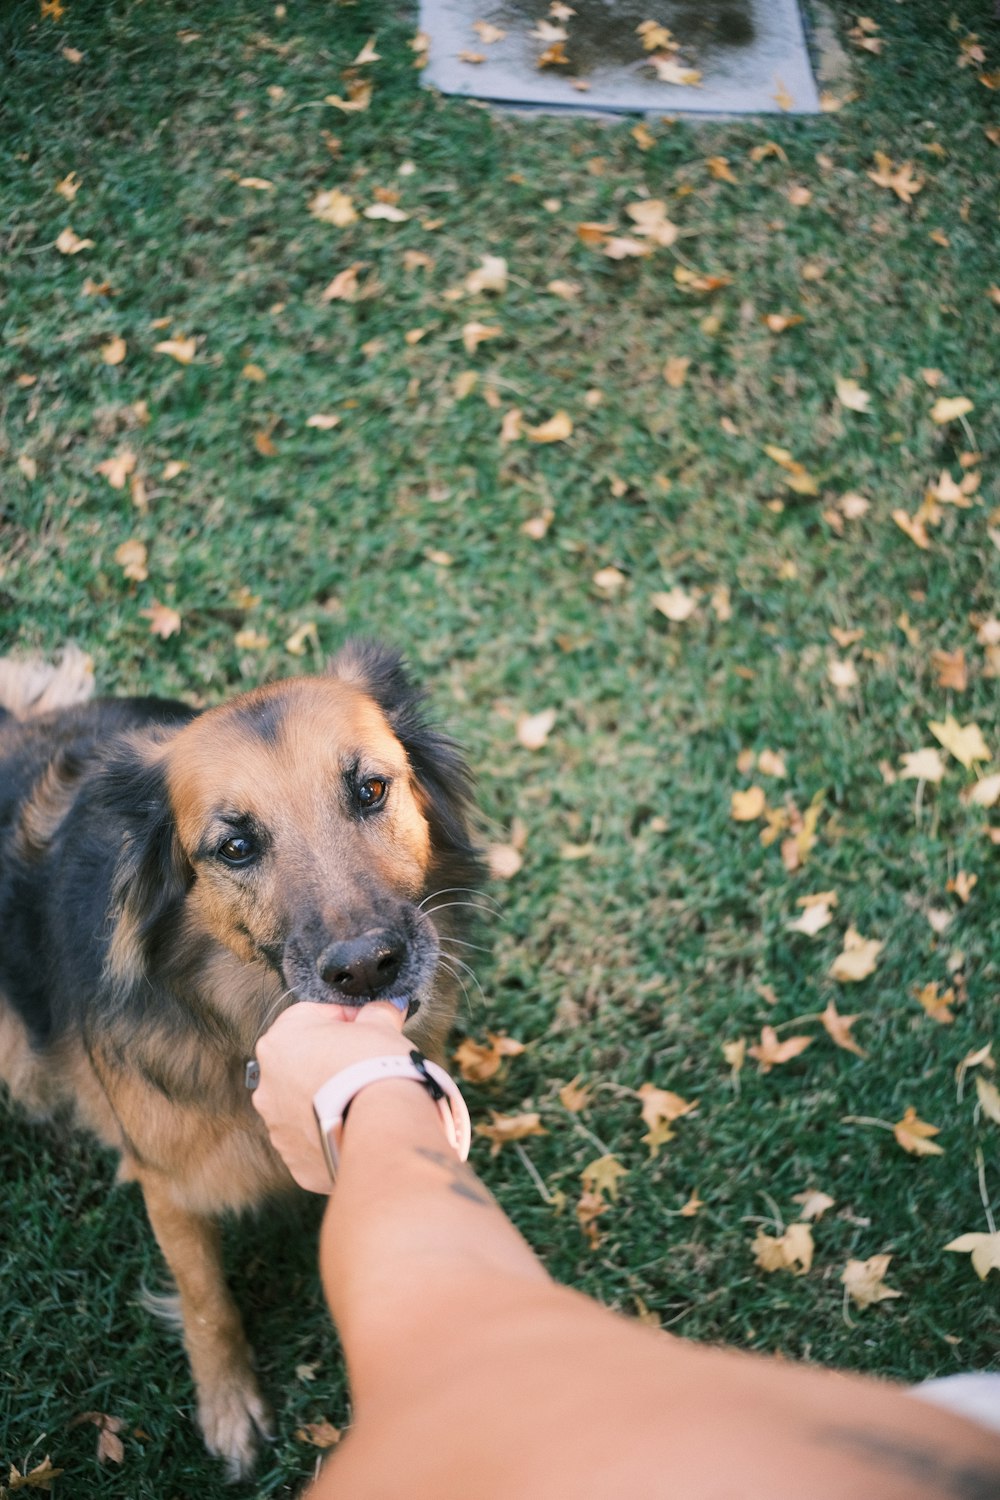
575, 1095
675, 605
479, 1061
656, 38
359, 96
985, 793
38, 1478
865, 1280
533, 730
669, 70
601, 1176
131, 558
814, 1203
984, 1248
650, 219
488, 33
922, 765
556, 430
181, 349
660, 1108
747, 806
851, 395
117, 469
771, 1053
318, 1434
838, 1028
785, 1252
936, 1006
344, 286
332, 206
163, 621
914, 1135
814, 918
554, 56
68, 243
506, 1128
964, 741
367, 54
857, 959
899, 180
950, 408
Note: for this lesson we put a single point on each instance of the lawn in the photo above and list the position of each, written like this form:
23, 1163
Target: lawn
754, 528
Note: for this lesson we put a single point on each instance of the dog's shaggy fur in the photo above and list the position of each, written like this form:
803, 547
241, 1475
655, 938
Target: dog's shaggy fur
169, 881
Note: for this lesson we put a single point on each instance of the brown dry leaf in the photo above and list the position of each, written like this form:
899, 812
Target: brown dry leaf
474, 334
643, 137
478, 1061
624, 247
843, 675
984, 1249
181, 349
68, 186
117, 469
649, 216
601, 1176
838, 1028
367, 54
656, 38
985, 793
387, 211
858, 958
533, 730
914, 1135
785, 1252
722, 604
698, 281
798, 194
900, 180
864, 1280
922, 765
163, 621
588, 1210
747, 806
914, 527
318, 1434
265, 444
575, 1095
851, 395
669, 70
249, 639
771, 1053
359, 96
567, 290
344, 286
332, 206
937, 1006
814, 1203
510, 431
962, 885
68, 243
503, 861
675, 605
735, 1054
782, 98
491, 276
488, 33
131, 557
772, 763
781, 322
324, 421
38, 1478
556, 430
660, 1108
691, 1207
964, 741
989, 1099
719, 168
816, 916
675, 370
113, 352
507, 1128
950, 408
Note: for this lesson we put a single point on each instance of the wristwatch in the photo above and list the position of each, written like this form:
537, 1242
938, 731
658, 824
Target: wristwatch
332, 1100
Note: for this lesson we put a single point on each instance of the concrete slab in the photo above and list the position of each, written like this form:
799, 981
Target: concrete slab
751, 55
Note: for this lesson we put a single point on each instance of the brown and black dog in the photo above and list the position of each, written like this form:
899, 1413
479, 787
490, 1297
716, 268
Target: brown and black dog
169, 881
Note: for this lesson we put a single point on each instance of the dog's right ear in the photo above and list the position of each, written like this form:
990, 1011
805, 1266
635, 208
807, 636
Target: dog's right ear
152, 875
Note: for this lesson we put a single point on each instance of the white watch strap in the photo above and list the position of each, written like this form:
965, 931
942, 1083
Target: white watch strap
331, 1100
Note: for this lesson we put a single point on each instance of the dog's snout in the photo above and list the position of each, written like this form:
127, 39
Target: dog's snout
363, 965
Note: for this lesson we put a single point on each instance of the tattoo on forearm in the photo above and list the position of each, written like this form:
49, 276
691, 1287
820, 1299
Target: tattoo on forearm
926, 1467
460, 1179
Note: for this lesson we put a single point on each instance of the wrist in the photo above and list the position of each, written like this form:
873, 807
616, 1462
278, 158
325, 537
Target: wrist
340, 1093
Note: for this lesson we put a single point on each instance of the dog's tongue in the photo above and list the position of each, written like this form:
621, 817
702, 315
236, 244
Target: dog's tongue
351, 1012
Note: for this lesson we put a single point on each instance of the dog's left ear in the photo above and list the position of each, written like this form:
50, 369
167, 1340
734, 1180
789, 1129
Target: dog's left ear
438, 764
152, 875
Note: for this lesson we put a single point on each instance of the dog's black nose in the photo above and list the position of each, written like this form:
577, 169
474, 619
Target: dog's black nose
363, 965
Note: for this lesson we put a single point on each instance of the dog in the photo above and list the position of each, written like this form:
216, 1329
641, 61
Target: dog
170, 880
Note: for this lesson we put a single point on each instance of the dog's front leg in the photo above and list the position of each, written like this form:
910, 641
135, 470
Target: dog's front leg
231, 1411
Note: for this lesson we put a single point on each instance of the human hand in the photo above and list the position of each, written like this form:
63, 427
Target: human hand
308, 1044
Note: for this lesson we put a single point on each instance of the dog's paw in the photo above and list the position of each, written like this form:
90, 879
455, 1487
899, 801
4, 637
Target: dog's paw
234, 1418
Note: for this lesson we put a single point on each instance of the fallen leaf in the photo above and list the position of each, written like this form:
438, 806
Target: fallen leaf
989, 1099
181, 349
669, 70
922, 765
675, 371
117, 469
785, 1252
914, 528
386, 211
691, 1207
253, 372
864, 1280
131, 557
838, 1028
491, 276
324, 421
359, 96
575, 1095
601, 1176
318, 1434
479, 1061
163, 621
344, 286
474, 334
843, 675
367, 54
851, 395
643, 137
556, 430
899, 180
735, 1054
798, 194
771, 1053
857, 959
623, 246
332, 206
914, 1135
772, 763
256, 184
985, 793
962, 885
964, 741
660, 1108
68, 243
937, 1006
781, 322
814, 1203
533, 730
296, 643
984, 1248
38, 1478
28, 466
567, 290
249, 639
950, 408
676, 605
503, 861
747, 806
510, 431
488, 33
815, 917
719, 168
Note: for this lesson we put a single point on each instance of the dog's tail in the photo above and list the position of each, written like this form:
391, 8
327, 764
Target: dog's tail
29, 686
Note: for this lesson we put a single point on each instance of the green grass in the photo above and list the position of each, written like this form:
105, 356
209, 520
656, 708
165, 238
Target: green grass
634, 963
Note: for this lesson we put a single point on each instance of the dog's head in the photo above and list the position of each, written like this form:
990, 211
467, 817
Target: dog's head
308, 826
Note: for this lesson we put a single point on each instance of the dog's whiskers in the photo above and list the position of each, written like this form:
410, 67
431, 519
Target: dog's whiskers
458, 890
272, 1012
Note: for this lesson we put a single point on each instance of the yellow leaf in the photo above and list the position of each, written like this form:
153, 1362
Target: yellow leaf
575, 1096
735, 1053
747, 806
163, 621
556, 430
937, 1006
792, 1249
676, 605
838, 1028
964, 741
255, 184
914, 1135
864, 1280
344, 286
950, 408
643, 137
899, 180
601, 1176
181, 349
474, 334
771, 1053
816, 916
318, 1434
114, 351
332, 206
297, 641
989, 1099
914, 527
479, 1061
814, 1203
984, 1248
359, 96
117, 469
719, 168
922, 765
649, 216
858, 958
367, 54
68, 243
131, 557
985, 793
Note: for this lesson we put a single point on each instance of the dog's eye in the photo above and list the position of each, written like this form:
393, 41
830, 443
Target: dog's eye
237, 851
372, 792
